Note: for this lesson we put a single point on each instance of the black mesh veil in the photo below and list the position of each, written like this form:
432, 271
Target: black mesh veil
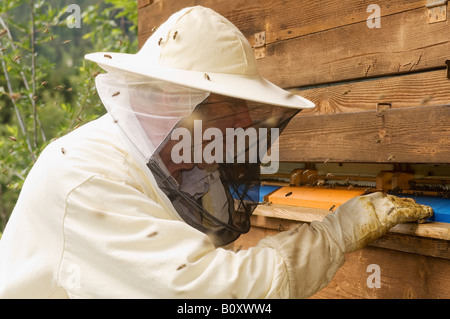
209, 166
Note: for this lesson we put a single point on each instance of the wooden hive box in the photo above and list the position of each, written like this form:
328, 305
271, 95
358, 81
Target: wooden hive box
379, 75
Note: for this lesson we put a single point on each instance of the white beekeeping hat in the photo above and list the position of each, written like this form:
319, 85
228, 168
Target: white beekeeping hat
200, 49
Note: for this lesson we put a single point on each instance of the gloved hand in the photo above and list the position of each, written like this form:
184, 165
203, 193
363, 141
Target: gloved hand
313, 253
366, 218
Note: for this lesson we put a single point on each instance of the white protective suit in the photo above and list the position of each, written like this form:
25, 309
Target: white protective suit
91, 221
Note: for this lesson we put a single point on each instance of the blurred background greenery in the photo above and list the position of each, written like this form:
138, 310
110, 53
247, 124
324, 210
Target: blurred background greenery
46, 87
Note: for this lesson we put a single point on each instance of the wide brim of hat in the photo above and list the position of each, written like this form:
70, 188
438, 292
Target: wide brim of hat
247, 87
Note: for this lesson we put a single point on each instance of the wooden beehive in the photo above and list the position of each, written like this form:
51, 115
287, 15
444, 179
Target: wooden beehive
379, 75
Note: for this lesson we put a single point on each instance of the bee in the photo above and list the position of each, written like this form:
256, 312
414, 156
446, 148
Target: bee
3, 32
326, 161
175, 35
51, 38
320, 182
382, 108
15, 96
181, 266
44, 83
63, 151
35, 98
206, 76
160, 41
115, 94
331, 208
350, 187
107, 56
391, 210
66, 42
288, 194
390, 158
45, 31
152, 234
59, 87
12, 138
292, 231
119, 42
427, 99
16, 58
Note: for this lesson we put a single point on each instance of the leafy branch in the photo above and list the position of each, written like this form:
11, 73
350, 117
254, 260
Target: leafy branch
46, 88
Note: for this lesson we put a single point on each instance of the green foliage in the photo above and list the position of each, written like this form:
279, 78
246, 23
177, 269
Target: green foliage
46, 87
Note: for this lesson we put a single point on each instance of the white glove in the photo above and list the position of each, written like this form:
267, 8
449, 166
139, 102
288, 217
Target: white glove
366, 218
313, 253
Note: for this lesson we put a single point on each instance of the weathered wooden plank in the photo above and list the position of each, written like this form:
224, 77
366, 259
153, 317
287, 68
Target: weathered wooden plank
411, 274
418, 89
404, 43
307, 17
310, 44
435, 244
404, 135
414, 244
248, 16
144, 3
280, 20
402, 275
434, 230
283, 217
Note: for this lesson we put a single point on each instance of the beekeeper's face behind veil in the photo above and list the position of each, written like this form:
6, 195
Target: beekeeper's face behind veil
185, 113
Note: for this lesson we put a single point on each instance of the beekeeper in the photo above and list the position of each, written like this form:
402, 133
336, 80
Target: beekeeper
141, 202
